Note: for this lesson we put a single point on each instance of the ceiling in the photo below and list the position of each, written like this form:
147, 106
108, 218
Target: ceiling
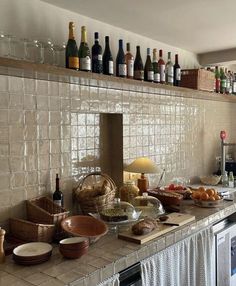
199, 26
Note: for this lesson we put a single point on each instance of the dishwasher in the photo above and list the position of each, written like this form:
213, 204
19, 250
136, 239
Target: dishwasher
131, 276
225, 252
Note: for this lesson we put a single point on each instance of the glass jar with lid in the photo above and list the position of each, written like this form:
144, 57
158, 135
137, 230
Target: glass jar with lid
128, 191
148, 205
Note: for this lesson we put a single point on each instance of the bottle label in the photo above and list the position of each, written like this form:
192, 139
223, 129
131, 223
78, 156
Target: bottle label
111, 71
100, 57
150, 75
162, 73
234, 87
73, 62
122, 70
170, 74
223, 83
139, 74
130, 68
178, 74
157, 77
58, 202
85, 63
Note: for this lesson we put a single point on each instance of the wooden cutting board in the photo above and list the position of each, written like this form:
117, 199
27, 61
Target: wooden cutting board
178, 219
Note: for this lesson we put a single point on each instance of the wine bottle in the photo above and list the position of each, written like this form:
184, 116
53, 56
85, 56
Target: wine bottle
72, 56
161, 67
177, 71
58, 195
148, 69
107, 60
138, 65
222, 81
169, 70
96, 55
84, 52
227, 81
217, 80
155, 67
234, 83
129, 59
121, 68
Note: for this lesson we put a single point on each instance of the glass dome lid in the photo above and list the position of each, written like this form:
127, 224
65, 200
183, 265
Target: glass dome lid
148, 205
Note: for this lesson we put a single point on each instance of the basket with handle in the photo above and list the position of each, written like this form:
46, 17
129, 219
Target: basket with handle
95, 192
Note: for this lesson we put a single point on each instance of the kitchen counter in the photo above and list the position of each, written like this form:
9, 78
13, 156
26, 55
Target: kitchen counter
109, 255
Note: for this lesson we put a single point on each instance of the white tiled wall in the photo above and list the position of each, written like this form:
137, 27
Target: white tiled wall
51, 127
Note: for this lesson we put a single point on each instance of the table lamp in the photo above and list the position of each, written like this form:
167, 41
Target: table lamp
142, 165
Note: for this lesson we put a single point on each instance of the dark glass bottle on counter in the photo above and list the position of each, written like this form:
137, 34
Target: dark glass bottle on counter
121, 68
177, 71
96, 55
107, 59
138, 65
155, 67
58, 195
72, 56
148, 69
161, 67
222, 81
129, 59
84, 52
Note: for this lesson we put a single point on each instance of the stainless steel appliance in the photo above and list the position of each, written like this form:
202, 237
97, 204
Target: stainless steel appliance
225, 252
223, 145
131, 276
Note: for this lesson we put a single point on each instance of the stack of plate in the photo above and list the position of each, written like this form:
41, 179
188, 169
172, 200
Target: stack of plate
74, 247
32, 253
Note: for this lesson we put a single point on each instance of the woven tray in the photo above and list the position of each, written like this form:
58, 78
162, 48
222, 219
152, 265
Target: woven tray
29, 231
198, 79
94, 204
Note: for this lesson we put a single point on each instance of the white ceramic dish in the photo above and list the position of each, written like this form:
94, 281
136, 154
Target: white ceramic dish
72, 240
208, 204
32, 249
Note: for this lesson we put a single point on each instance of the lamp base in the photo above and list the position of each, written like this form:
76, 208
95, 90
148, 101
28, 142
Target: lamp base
142, 185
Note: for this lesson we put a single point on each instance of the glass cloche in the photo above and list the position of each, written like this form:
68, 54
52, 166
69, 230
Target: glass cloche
119, 212
148, 205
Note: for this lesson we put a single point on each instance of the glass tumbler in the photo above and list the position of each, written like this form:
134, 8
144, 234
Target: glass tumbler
59, 55
5, 44
33, 51
48, 51
17, 48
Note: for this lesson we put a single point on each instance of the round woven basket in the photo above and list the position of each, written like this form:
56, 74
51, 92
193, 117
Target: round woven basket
94, 183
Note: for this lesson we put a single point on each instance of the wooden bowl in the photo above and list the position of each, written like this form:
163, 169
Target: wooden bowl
74, 247
85, 226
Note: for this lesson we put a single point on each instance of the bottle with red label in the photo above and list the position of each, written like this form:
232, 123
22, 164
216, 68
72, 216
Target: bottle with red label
161, 68
217, 80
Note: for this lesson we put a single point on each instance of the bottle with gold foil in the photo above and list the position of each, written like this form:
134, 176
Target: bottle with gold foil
72, 56
128, 191
84, 52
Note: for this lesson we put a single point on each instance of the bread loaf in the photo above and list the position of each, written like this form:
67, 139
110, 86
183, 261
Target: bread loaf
144, 226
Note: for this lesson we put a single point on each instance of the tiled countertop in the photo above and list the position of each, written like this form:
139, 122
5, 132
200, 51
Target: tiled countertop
107, 256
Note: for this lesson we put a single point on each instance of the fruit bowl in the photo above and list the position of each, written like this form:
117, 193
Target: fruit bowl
208, 204
212, 180
85, 226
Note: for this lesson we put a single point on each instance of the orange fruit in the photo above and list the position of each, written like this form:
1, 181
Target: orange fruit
196, 195
204, 196
211, 198
210, 192
201, 189
217, 197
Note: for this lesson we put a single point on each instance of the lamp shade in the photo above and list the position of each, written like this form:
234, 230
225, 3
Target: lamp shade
142, 165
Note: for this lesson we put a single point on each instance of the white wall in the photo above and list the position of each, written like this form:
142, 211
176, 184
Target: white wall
36, 19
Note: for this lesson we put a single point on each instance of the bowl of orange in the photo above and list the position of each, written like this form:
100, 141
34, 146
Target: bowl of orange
208, 198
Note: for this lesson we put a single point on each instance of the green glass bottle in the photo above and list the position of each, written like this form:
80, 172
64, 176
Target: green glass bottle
148, 68
84, 52
222, 81
72, 57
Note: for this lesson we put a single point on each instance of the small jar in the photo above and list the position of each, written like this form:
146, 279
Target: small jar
225, 179
128, 191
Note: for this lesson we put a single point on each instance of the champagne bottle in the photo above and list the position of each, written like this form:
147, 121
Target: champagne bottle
72, 57
169, 70
96, 55
222, 81
155, 67
129, 59
217, 80
148, 69
138, 65
121, 68
84, 52
177, 71
107, 60
58, 195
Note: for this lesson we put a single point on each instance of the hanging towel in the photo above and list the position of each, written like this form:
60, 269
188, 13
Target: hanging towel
186, 263
112, 281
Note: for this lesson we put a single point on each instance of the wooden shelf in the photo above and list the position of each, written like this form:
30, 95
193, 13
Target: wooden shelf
26, 69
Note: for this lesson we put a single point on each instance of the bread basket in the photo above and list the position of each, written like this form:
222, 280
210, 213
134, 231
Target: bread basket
94, 192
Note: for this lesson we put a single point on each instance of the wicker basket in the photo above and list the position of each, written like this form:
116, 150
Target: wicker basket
29, 231
198, 79
96, 203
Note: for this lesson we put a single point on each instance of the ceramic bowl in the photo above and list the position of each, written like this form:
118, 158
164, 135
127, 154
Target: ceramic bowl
74, 247
85, 226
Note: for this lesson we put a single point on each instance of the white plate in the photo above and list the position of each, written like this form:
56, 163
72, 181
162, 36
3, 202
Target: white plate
208, 204
32, 249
